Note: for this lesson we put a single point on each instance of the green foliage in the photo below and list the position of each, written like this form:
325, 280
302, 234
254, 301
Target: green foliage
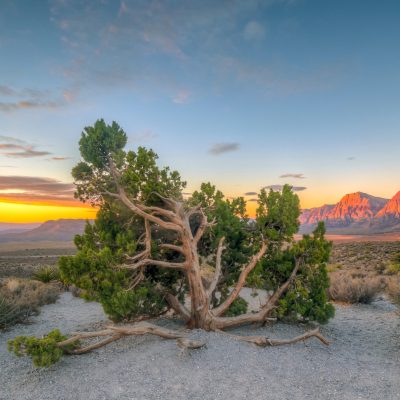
238, 307
308, 296
101, 141
116, 232
47, 274
44, 352
278, 213
95, 272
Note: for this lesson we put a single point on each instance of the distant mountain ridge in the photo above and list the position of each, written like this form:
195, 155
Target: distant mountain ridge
8, 227
355, 213
62, 230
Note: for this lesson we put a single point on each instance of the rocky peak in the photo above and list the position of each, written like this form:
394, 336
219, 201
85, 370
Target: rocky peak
392, 208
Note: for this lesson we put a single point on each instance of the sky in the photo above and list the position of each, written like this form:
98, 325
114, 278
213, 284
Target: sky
244, 94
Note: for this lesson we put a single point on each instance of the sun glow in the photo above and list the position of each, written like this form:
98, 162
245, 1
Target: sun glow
25, 213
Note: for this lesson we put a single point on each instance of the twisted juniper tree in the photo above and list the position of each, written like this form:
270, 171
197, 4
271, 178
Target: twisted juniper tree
150, 252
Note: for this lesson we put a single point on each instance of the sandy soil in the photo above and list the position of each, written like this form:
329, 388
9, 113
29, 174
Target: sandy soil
363, 361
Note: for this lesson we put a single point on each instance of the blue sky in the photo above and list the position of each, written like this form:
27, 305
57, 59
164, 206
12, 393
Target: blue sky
308, 88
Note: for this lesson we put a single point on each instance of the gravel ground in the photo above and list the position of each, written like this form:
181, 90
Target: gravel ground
363, 362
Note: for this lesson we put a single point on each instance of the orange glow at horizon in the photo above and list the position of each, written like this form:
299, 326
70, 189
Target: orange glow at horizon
26, 213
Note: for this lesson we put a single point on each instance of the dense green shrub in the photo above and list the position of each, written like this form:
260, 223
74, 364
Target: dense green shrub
44, 351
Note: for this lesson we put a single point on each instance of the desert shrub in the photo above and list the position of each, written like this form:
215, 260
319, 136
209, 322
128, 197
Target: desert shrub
44, 351
393, 267
348, 289
47, 274
20, 298
393, 289
10, 314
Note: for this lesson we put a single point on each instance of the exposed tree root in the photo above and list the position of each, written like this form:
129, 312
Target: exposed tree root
190, 344
265, 341
115, 333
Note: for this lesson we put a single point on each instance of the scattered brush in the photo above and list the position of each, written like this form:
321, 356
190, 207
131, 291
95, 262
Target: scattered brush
47, 274
21, 298
10, 314
348, 289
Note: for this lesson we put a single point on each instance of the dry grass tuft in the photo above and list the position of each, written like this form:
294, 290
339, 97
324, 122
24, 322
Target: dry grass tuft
347, 288
20, 298
393, 289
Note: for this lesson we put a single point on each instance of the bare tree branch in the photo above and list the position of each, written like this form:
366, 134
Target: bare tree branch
177, 306
159, 263
173, 247
137, 209
218, 267
204, 224
262, 315
273, 300
241, 281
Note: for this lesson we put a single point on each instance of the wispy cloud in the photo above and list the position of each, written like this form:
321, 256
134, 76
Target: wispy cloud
16, 148
168, 45
278, 188
143, 136
220, 148
252, 200
250, 194
14, 99
33, 190
27, 104
352, 158
11, 139
60, 158
295, 176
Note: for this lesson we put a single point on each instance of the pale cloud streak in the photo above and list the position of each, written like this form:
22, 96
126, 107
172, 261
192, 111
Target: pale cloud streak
221, 148
295, 176
17, 148
250, 194
278, 188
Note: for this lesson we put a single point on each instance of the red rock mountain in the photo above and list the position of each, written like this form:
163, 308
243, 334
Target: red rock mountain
352, 207
391, 209
314, 215
356, 206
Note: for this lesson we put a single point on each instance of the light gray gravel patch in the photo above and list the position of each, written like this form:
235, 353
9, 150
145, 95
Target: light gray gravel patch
363, 361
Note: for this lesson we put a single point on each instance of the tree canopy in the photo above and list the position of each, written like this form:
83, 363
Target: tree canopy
152, 250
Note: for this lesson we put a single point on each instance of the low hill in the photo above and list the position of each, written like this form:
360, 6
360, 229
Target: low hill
62, 230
